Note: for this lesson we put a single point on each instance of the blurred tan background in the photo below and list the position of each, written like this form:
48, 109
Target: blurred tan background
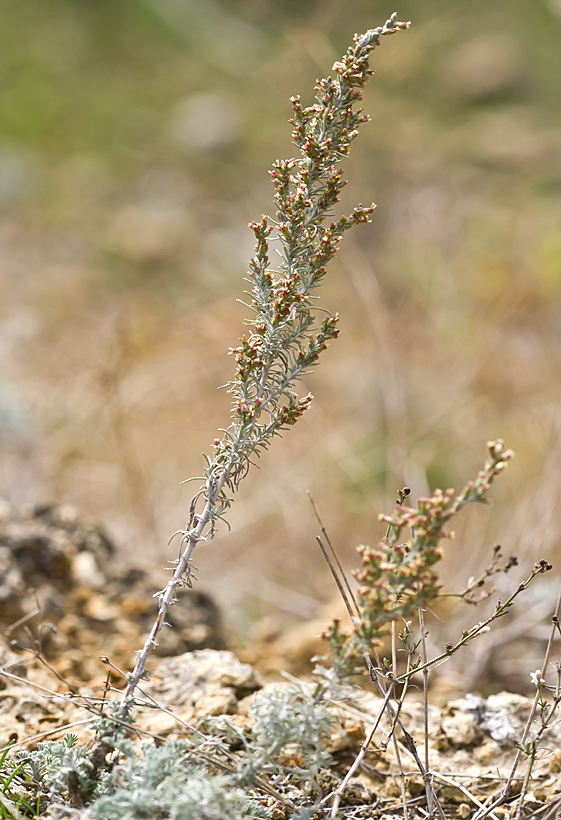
136, 136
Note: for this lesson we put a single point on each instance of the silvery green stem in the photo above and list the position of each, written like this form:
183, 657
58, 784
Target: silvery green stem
167, 596
285, 338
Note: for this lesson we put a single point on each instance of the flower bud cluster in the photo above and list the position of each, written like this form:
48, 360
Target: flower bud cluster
345, 650
291, 412
285, 337
396, 578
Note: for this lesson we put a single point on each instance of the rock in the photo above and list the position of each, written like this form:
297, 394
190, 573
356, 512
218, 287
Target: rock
202, 683
347, 733
460, 728
59, 576
24, 712
10, 662
505, 717
486, 752
97, 608
555, 762
415, 785
193, 674
493, 715
85, 571
206, 683
391, 788
195, 621
502, 717
40, 547
544, 790
449, 794
221, 702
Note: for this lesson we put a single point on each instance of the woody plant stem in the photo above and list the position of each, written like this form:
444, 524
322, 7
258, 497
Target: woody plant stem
285, 339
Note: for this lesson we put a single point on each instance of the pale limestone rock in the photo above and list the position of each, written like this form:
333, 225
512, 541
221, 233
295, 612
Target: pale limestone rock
221, 702
461, 728
202, 683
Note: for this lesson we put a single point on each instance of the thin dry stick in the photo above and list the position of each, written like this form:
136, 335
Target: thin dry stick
93, 705
501, 609
363, 749
414, 802
354, 616
337, 579
443, 779
399, 703
401, 776
548, 810
8, 631
409, 741
35, 650
395, 743
62, 728
504, 794
427, 777
17, 678
335, 556
546, 719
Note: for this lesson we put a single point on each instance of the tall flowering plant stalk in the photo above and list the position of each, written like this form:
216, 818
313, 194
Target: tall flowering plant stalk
397, 577
285, 335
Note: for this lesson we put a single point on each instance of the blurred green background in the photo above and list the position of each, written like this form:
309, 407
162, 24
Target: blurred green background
135, 140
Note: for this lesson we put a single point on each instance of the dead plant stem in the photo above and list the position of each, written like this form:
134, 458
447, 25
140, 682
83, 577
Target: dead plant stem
167, 596
506, 789
364, 748
428, 776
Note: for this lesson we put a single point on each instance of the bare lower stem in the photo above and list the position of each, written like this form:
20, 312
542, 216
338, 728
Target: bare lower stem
167, 596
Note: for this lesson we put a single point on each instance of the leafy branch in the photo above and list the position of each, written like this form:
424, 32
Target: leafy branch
396, 577
285, 338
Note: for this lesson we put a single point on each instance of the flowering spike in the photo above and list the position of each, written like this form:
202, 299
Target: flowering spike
395, 579
285, 338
